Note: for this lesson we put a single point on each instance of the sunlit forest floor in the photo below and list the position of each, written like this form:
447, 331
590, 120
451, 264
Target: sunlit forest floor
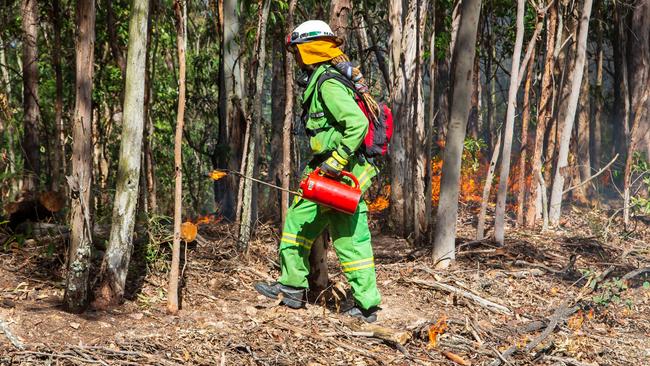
548, 289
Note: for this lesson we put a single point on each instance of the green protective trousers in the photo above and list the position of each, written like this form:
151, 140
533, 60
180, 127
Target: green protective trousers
306, 220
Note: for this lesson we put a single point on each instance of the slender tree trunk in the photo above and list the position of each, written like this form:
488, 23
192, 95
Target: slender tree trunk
120, 244
77, 286
274, 203
408, 147
595, 139
487, 187
113, 41
555, 207
257, 69
148, 139
638, 59
463, 60
58, 157
473, 123
544, 115
638, 114
14, 186
32, 115
421, 160
523, 151
288, 117
231, 94
621, 116
180, 8
398, 193
431, 122
582, 193
499, 221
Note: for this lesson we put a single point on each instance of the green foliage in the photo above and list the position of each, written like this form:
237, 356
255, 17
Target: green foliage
472, 152
641, 168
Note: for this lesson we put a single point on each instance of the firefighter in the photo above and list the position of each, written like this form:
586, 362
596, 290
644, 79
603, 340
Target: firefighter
336, 127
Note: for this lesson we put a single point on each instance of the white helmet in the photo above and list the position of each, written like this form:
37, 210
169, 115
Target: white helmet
309, 31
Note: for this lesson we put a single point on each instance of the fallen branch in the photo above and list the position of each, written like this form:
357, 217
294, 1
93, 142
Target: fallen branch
385, 334
635, 273
4, 327
484, 303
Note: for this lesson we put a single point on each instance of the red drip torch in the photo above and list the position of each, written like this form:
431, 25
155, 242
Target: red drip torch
318, 188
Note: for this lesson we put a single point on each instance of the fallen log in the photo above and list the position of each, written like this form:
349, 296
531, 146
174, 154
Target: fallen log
484, 303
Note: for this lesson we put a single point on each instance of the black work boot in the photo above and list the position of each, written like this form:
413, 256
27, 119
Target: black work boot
292, 297
368, 316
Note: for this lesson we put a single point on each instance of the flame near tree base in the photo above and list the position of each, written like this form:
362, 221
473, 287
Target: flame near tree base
472, 178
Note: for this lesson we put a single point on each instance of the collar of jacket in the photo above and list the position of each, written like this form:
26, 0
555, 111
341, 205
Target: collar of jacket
313, 80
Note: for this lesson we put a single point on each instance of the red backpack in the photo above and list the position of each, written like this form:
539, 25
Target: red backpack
380, 129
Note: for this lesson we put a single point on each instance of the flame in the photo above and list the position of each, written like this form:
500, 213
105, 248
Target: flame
436, 330
207, 219
473, 173
217, 174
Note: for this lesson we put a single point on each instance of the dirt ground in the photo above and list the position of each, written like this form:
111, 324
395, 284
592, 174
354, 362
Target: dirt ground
554, 298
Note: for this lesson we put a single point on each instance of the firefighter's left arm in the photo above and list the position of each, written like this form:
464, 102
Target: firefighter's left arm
339, 100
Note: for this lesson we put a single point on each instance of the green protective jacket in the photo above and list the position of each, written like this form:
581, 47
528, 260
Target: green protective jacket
334, 122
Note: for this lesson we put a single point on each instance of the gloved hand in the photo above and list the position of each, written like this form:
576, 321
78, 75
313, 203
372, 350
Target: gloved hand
333, 165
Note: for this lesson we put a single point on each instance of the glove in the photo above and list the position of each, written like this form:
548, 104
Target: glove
333, 165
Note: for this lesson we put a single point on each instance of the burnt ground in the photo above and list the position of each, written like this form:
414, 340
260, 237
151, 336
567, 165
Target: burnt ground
561, 297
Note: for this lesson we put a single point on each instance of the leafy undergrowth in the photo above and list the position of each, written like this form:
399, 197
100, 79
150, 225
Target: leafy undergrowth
565, 301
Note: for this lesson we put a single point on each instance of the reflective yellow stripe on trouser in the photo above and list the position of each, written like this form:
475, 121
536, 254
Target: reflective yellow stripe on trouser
304, 222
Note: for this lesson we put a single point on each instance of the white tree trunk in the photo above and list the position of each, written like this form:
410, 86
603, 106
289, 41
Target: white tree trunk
463, 58
555, 208
120, 243
255, 106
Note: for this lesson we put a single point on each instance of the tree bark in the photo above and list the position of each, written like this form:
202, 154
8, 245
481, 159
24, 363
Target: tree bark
58, 156
523, 151
257, 69
32, 115
340, 17
499, 221
583, 159
463, 60
15, 183
77, 285
180, 8
555, 206
274, 202
408, 142
148, 137
288, 117
487, 187
231, 128
120, 244
639, 70
621, 116
638, 114
595, 138
544, 114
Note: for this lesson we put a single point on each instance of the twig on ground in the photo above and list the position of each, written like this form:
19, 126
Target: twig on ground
484, 303
567, 360
4, 327
635, 273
